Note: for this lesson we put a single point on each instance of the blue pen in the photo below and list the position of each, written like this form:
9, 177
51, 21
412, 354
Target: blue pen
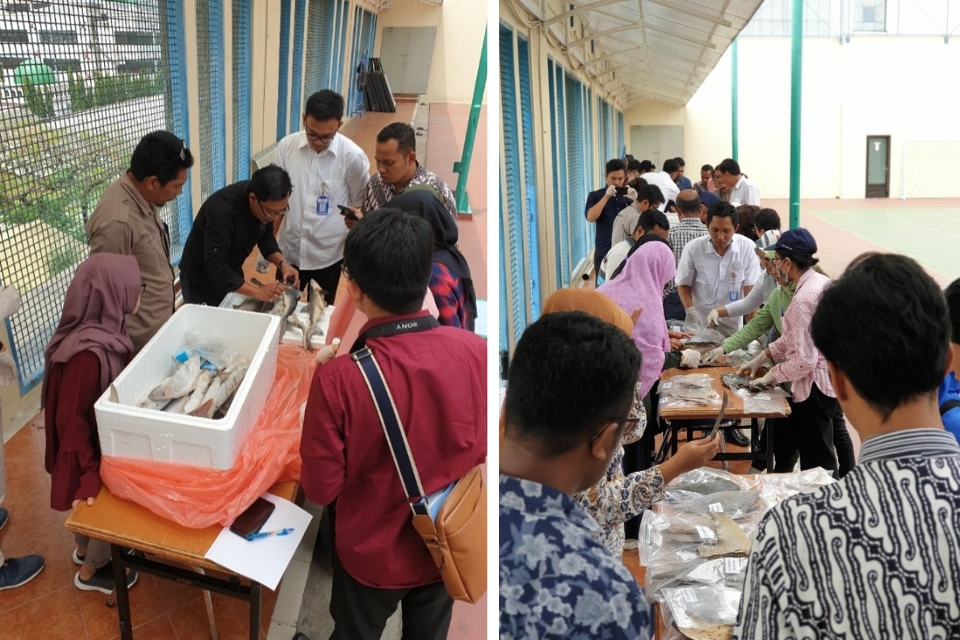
267, 534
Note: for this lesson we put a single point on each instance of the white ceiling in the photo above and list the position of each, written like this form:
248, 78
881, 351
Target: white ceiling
645, 49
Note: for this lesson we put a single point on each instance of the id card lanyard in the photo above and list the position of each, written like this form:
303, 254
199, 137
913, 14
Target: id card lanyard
323, 202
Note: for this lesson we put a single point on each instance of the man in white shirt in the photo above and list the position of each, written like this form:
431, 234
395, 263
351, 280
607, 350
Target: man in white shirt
742, 191
665, 180
327, 170
717, 268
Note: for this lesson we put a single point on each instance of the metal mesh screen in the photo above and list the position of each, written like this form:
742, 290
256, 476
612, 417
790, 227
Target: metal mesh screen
364, 34
320, 14
242, 54
81, 84
297, 80
283, 72
212, 147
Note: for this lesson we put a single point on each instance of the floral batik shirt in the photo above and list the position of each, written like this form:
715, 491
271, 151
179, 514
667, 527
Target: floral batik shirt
556, 580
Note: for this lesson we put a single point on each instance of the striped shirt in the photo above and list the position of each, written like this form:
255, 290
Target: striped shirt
680, 234
875, 555
800, 361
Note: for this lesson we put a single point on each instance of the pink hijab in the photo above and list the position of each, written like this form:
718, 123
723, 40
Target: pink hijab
640, 286
104, 289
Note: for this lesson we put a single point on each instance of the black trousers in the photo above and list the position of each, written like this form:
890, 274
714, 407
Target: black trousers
673, 308
807, 433
328, 278
360, 612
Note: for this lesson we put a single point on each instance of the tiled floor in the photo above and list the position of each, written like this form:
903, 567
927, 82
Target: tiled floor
50, 607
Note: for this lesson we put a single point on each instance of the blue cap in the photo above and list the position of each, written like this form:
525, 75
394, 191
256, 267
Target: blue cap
796, 241
709, 198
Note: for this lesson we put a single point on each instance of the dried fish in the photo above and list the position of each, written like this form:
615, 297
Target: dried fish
317, 304
177, 405
156, 405
731, 540
180, 383
199, 390
735, 381
706, 488
217, 394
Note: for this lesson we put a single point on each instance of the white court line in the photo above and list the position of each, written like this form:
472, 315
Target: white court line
934, 229
954, 220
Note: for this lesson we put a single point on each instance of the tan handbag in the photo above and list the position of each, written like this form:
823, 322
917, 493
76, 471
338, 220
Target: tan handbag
452, 522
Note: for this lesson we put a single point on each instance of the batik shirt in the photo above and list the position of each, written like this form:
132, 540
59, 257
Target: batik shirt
556, 580
378, 193
873, 556
618, 497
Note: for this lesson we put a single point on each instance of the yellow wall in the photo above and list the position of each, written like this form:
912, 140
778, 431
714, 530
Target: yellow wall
456, 51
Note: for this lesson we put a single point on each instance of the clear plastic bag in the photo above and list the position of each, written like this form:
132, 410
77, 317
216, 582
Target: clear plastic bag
196, 497
724, 572
705, 480
692, 389
768, 401
777, 487
703, 611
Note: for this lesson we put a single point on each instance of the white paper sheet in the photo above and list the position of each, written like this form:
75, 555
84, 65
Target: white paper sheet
266, 559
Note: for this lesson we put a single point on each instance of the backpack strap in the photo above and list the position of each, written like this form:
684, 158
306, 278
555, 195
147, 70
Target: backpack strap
953, 403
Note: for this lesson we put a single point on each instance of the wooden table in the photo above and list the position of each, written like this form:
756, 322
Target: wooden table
735, 410
127, 525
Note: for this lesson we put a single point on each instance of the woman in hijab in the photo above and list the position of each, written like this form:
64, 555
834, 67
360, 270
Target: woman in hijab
450, 281
87, 352
617, 498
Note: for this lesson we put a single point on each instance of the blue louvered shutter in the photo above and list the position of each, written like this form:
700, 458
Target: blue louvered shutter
513, 187
558, 139
319, 45
282, 78
529, 176
576, 171
212, 159
296, 82
589, 176
242, 54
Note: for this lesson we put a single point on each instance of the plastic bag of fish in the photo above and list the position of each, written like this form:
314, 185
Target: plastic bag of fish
199, 386
693, 388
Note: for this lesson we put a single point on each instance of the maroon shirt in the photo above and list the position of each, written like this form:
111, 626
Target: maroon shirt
438, 381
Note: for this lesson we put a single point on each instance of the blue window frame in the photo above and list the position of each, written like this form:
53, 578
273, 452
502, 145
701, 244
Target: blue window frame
283, 74
297, 80
561, 185
320, 32
529, 175
364, 33
242, 61
212, 152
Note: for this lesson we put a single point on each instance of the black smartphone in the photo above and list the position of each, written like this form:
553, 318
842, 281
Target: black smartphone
250, 521
347, 213
621, 191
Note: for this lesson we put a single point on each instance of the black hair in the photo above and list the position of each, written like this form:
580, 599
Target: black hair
324, 105
680, 162
746, 216
637, 184
389, 254
952, 295
571, 373
722, 210
729, 166
633, 165
688, 204
707, 167
270, 183
653, 218
651, 193
885, 324
160, 154
767, 219
646, 165
403, 133
614, 165
670, 166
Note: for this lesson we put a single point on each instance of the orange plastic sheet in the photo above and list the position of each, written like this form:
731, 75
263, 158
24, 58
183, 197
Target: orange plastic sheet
196, 497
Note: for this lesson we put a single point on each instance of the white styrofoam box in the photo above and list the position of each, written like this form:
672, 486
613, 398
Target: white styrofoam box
292, 335
128, 431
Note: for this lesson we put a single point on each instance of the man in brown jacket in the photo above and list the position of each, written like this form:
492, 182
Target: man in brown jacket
126, 221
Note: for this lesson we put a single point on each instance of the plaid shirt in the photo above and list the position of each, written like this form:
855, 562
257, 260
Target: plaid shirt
447, 292
378, 193
680, 234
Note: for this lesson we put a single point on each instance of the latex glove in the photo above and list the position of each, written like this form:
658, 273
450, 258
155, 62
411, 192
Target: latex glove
713, 318
632, 193
768, 380
693, 317
328, 352
712, 356
9, 302
689, 359
611, 191
8, 370
757, 363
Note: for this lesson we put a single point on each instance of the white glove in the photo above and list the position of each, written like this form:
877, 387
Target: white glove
611, 191
713, 318
712, 356
327, 353
689, 359
757, 363
768, 380
9, 302
632, 193
693, 317
8, 370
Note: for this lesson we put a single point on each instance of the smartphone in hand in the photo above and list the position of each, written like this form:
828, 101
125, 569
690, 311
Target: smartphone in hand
347, 213
621, 191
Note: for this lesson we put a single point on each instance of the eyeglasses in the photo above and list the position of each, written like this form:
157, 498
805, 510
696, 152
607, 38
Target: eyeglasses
270, 214
315, 137
143, 287
622, 423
